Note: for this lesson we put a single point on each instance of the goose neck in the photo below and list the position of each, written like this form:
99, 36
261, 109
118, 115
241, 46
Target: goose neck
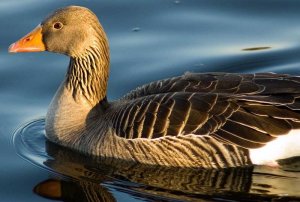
87, 76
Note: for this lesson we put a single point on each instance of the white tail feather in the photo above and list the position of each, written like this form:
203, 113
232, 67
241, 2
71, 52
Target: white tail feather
282, 147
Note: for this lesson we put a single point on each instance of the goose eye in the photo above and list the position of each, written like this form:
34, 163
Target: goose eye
57, 25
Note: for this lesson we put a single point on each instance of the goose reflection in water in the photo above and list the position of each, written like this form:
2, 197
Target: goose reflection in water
90, 179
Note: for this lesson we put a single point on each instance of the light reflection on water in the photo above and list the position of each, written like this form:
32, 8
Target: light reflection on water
198, 36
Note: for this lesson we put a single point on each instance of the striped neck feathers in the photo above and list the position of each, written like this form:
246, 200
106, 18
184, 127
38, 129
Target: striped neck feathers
88, 73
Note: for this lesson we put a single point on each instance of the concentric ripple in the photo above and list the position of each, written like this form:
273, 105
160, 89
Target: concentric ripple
29, 142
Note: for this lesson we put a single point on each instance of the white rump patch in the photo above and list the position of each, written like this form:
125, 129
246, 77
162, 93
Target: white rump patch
283, 147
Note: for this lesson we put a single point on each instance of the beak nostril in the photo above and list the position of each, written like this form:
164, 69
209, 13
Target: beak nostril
27, 39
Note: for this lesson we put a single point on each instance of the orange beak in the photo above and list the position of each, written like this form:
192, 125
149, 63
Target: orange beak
32, 42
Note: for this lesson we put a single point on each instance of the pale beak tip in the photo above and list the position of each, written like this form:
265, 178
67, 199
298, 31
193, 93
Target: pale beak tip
11, 48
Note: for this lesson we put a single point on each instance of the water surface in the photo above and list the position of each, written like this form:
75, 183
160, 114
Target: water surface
149, 40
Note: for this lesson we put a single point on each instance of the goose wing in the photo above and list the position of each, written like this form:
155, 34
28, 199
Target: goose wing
229, 83
198, 82
250, 113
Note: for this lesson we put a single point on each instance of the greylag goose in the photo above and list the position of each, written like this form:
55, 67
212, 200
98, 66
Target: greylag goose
211, 120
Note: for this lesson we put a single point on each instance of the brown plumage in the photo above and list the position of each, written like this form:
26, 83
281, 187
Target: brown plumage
195, 120
245, 109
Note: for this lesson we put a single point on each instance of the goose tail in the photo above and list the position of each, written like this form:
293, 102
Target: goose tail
283, 147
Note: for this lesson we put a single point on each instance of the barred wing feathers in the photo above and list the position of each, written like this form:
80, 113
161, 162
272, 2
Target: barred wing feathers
247, 110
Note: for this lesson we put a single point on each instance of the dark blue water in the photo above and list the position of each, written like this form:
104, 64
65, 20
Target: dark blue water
149, 40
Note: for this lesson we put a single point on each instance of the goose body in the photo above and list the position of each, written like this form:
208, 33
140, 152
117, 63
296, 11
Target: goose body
211, 120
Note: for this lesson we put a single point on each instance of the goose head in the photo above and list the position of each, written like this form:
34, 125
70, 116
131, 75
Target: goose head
76, 32
71, 31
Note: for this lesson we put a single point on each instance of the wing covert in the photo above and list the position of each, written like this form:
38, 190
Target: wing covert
247, 110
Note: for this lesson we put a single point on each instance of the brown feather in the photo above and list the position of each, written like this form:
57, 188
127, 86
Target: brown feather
247, 110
